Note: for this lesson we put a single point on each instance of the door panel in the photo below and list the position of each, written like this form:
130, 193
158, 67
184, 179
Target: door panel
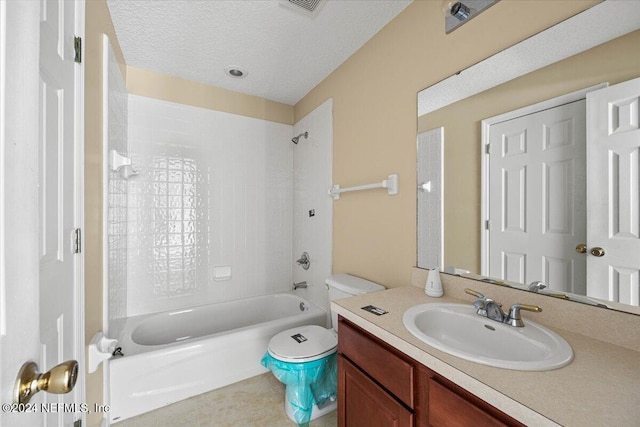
514, 199
613, 149
514, 266
557, 197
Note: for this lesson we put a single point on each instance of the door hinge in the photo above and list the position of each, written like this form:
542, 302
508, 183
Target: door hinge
76, 241
487, 149
77, 49
487, 224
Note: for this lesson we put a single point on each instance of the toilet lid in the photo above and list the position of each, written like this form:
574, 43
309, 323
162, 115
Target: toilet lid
303, 344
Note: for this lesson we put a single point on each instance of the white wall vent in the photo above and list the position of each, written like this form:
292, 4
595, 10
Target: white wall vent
308, 7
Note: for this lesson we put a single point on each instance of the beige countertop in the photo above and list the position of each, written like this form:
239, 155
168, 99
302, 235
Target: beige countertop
601, 387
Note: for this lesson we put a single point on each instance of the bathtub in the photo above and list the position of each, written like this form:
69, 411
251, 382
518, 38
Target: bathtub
174, 355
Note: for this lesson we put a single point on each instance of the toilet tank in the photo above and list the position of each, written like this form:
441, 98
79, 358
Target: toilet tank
346, 285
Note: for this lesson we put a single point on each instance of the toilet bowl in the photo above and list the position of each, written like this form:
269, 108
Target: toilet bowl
304, 355
310, 349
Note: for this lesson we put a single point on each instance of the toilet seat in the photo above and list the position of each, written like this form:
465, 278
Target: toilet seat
303, 344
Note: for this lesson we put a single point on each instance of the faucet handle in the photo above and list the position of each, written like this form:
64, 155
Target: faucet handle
536, 286
514, 319
480, 303
529, 307
304, 260
474, 293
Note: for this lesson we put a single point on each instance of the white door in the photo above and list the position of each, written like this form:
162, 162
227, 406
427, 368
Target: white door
537, 198
613, 203
40, 284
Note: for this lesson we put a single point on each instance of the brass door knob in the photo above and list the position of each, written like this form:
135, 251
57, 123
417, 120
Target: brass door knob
581, 248
597, 252
58, 380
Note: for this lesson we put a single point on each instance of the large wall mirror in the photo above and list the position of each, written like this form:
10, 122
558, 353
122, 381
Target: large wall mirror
512, 188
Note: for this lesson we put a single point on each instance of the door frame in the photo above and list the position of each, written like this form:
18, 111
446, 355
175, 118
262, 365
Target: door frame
3, 62
79, 133
484, 161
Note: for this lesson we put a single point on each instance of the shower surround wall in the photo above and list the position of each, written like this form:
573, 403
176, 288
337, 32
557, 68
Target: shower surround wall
115, 138
210, 213
312, 205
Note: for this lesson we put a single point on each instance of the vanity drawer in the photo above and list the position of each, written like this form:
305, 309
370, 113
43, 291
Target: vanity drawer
385, 365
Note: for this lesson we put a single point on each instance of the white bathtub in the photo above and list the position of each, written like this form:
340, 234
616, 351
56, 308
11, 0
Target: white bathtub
174, 355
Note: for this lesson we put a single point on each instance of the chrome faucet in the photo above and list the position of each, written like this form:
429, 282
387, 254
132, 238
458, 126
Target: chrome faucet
302, 284
489, 308
486, 306
536, 286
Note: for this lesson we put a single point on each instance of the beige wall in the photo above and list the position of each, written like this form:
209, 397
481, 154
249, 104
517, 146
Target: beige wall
174, 89
609, 62
98, 22
374, 119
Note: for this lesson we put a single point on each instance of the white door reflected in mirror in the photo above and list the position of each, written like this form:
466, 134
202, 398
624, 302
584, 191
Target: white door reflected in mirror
535, 198
613, 196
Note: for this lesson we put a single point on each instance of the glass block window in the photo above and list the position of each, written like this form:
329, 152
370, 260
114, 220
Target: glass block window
174, 225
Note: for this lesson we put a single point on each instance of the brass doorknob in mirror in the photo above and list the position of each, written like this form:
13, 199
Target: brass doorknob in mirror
597, 252
581, 248
58, 380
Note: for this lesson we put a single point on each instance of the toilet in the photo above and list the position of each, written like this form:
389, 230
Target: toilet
305, 346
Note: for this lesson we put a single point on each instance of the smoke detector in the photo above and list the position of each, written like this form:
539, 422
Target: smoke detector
307, 7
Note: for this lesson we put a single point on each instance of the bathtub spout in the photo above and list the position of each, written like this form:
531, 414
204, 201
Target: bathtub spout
302, 284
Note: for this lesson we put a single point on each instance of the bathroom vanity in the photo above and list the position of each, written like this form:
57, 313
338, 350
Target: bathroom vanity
378, 385
389, 377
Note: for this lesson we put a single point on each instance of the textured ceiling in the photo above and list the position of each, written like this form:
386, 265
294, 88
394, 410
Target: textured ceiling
286, 53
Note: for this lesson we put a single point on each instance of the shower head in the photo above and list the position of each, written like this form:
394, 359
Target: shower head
295, 139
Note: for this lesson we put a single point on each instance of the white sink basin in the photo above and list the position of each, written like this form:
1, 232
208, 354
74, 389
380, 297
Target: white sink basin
457, 329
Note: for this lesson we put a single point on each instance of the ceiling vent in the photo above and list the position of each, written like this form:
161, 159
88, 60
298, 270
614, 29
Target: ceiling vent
308, 7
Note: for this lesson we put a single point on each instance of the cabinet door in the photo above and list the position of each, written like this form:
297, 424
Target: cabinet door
362, 403
446, 408
441, 403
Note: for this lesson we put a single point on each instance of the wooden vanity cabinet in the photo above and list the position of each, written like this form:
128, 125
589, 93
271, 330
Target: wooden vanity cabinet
367, 404
380, 386
375, 381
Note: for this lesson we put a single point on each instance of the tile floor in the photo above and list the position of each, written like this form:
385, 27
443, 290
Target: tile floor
257, 401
